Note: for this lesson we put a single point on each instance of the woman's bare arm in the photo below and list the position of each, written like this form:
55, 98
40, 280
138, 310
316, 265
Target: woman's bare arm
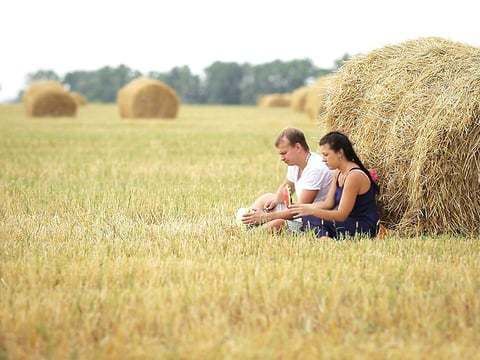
351, 189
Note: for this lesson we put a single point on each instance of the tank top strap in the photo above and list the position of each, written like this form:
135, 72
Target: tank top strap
355, 168
370, 187
338, 175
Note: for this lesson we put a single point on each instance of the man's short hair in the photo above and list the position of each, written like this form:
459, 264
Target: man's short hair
293, 136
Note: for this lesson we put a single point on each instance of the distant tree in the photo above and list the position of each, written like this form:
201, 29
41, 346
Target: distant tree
187, 85
19, 96
100, 85
42, 75
277, 77
222, 83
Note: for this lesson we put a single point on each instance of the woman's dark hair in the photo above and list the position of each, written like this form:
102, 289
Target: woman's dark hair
338, 141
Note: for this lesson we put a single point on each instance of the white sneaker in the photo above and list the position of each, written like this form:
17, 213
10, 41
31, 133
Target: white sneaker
239, 215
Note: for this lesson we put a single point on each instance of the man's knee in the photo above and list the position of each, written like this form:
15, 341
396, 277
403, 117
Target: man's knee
275, 225
262, 199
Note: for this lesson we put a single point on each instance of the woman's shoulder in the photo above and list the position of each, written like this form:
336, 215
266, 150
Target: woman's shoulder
357, 178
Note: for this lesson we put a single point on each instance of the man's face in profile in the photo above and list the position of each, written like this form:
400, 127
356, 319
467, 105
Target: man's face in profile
287, 152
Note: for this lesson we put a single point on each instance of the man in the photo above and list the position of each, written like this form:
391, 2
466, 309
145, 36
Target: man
307, 176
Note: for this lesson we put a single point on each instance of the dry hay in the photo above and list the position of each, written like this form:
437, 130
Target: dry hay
39, 86
275, 100
316, 99
412, 111
49, 98
299, 98
79, 98
147, 98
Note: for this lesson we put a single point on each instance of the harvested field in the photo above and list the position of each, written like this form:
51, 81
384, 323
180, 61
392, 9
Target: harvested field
117, 240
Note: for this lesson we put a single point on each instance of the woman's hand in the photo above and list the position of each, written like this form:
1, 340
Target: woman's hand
271, 204
255, 218
299, 210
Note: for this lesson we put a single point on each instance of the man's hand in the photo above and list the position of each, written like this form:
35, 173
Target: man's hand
300, 210
254, 218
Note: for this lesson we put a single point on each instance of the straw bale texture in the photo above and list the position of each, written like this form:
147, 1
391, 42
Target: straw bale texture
412, 111
49, 98
39, 86
147, 98
299, 98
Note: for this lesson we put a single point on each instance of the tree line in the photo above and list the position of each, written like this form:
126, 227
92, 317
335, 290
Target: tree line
222, 83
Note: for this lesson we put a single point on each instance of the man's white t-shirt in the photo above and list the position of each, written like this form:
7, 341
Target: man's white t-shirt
315, 176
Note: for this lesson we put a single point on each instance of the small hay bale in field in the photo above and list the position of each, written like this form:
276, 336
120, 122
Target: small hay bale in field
39, 86
299, 97
79, 98
261, 100
413, 112
275, 100
45, 99
147, 98
316, 99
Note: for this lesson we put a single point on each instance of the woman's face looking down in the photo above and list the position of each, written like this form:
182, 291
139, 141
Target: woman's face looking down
330, 157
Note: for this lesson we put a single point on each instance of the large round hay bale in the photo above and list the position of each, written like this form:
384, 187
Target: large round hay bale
316, 98
49, 99
79, 98
275, 100
147, 98
412, 111
299, 98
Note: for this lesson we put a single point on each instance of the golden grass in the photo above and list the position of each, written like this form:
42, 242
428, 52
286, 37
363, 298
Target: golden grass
110, 247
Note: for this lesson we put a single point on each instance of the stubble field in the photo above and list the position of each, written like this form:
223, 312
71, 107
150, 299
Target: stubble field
117, 240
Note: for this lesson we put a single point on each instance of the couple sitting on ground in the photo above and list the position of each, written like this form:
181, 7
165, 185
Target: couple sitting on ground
335, 192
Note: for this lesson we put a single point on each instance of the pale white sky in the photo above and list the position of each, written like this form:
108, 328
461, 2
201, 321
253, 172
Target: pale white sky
158, 35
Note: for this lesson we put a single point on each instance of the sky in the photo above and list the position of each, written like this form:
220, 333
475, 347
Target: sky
158, 35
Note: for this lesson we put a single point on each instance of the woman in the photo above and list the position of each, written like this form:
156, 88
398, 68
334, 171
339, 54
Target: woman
349, 208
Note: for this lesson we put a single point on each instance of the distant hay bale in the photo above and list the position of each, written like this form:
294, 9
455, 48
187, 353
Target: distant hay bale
79, 98
39, 86
412, 111
275, 100
299, 98
147, 98
316, 98
49, 98
261, 100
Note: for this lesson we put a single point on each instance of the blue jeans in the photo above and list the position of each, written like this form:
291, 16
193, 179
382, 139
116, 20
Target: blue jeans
338, 229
